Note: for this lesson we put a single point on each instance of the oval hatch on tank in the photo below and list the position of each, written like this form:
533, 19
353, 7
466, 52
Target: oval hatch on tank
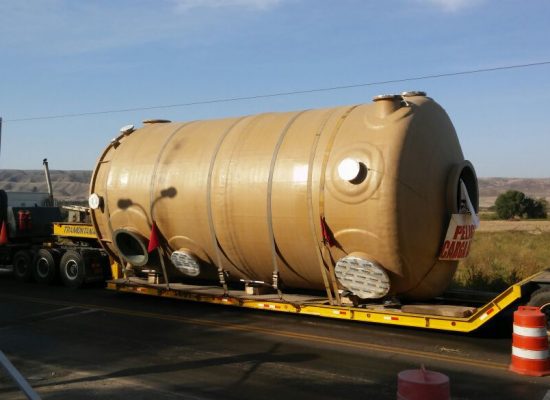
186, 262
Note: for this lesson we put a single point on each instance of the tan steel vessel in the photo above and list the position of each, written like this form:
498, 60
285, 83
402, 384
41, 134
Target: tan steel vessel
356, 198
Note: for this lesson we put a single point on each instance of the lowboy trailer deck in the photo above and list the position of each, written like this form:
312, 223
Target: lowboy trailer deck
456, 311
458, 315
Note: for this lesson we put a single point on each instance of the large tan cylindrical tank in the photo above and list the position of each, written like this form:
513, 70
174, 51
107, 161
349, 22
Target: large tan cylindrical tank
366, 191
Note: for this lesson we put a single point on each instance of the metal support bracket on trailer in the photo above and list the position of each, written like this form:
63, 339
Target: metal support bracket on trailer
432, 316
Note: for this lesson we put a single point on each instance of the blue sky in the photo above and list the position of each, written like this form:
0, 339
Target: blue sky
68, 56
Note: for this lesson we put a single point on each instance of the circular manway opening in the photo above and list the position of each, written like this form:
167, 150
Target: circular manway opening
469, 178
352, 171
131, 247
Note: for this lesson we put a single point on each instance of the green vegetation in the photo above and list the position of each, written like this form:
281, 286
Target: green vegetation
498, 259
488, 215
514, 204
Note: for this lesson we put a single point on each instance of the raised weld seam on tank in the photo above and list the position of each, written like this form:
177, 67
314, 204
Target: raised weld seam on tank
93, 182
233, 169
269, 200
211, 227
312, 220
108, 215
156, 166
106, 212
322, 179
152, 200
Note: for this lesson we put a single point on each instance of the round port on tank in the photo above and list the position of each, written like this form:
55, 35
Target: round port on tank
385, 104
156, 121
362, 276
131, 247
186, 262
414, 93
95, 201
464, 173
127, 129
352, 171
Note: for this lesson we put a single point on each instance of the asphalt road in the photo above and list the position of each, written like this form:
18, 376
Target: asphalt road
94, 343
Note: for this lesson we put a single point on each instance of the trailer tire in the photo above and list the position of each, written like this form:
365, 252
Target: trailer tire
22, 265
45, 266
541, 298
72, 269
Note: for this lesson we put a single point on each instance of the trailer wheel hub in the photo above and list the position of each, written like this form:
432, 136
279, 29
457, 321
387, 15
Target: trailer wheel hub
42, 267
72, 269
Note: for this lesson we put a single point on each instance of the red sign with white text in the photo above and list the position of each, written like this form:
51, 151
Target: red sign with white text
459, 237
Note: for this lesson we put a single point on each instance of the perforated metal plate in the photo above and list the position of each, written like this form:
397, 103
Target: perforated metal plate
365, 279
185, 263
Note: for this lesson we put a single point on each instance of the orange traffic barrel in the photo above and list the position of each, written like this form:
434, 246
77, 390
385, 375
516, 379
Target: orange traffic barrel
422, 384
530, 343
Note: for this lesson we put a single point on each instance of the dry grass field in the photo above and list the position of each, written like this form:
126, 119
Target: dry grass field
504, 252
531, 226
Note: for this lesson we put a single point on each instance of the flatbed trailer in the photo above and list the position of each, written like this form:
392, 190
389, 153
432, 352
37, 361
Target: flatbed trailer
71, 252
458, 313
461, 315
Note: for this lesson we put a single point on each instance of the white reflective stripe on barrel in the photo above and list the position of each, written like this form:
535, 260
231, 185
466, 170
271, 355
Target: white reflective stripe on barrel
529, 332
530, 354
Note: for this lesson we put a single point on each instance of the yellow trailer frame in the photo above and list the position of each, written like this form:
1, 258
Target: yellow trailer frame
301, 304
368, 313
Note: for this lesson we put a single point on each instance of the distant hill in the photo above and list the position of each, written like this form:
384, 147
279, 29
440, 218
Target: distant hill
490, 188
67, 185
73, 185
